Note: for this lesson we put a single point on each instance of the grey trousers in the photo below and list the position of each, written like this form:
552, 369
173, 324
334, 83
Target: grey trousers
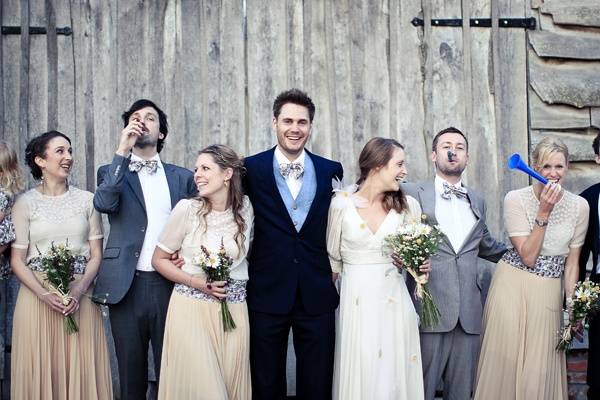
450, 357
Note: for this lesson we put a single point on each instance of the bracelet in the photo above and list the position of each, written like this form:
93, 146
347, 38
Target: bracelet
189, 282
541, 223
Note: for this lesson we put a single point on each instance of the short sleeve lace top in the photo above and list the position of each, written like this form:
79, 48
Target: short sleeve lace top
186, 232
41, 220
567, 224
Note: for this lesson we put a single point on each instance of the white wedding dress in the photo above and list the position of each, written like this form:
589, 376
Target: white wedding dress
377, 350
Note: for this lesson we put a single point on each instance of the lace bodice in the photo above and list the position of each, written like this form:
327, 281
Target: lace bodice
186, 232
567, 224
349, 239
41, 220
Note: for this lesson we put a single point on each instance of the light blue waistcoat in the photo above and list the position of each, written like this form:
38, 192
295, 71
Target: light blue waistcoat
298, 209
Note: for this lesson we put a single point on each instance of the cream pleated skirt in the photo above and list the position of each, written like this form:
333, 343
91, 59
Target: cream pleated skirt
200, 360
521, 321
47, 363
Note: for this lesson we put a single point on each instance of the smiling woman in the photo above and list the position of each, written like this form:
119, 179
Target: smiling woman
55, 214
546, 225
199, 359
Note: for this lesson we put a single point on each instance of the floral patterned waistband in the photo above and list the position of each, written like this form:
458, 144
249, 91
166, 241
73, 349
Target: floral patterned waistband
546, 266
35, 264
236, 291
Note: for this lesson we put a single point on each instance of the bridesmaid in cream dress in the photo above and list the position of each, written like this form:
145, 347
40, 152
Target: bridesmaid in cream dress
377, 353
47, 362
523, 312
200, 360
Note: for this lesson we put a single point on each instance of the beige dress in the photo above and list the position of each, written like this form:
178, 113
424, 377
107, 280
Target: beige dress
523, 312
200, 360
48, 363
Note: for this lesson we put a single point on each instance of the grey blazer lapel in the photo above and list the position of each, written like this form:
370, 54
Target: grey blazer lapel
133, 180
172, 182
427, 201
475, 202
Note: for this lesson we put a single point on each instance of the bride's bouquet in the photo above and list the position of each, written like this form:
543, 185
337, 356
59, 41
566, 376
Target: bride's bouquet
414, 243
583, 303
217, 268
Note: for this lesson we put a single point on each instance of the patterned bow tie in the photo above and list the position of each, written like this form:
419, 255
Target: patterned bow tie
149, 165
449, 190
295, 169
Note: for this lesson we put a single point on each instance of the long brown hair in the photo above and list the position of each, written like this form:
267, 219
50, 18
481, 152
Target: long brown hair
225, 157
377, 153
11, 175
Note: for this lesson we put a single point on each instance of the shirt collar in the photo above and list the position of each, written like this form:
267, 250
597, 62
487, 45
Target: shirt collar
155, 157
439, 184
282, 159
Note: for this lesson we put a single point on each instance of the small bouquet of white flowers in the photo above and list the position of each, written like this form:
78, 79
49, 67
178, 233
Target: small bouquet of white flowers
57, 267
414, 243
217, 267
582, 304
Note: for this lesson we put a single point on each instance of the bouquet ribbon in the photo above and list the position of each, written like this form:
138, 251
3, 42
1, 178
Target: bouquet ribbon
420, 280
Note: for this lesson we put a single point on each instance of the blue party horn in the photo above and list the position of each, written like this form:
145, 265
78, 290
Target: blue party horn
515, 162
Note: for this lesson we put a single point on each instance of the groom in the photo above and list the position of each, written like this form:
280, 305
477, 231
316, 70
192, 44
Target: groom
450, 350
290, 283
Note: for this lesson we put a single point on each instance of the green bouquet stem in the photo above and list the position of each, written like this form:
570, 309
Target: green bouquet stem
430, 315
70, 325
228, 323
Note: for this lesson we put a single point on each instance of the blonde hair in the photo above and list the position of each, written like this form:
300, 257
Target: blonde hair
11, 175
545, 148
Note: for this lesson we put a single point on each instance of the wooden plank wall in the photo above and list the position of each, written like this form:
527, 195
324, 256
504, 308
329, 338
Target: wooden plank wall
216, 65
564, 91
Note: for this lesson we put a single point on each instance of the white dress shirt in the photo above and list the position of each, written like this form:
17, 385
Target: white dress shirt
158, 208
454, 215
293, 184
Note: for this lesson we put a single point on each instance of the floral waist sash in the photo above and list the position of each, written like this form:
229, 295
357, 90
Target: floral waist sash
546, 266
35, 264
236, 292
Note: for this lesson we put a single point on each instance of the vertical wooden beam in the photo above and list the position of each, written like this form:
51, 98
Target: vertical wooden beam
406, 65
24, 78
510, 89
52, 68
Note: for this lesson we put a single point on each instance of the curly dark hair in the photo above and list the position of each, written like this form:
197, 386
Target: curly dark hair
294, 96
162, 119
37, 148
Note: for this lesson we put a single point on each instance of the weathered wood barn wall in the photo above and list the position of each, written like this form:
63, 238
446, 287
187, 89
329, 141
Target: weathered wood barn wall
216, 65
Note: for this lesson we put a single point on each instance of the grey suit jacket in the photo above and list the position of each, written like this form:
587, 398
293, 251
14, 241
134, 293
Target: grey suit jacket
453, 280
119, 194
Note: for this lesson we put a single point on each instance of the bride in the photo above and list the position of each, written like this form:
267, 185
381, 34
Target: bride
377, 351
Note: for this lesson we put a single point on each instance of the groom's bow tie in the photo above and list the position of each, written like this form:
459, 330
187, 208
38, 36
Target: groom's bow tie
449, 190
294, 169
149, 165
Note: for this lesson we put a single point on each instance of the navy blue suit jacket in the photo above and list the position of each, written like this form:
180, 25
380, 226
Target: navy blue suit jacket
284, 263
119, 194
592, 240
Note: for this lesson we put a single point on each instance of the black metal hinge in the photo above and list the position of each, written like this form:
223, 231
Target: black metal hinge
526, 23
35, 30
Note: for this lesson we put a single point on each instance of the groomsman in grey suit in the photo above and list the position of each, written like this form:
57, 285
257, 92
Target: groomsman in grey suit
450, 349
137, 190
